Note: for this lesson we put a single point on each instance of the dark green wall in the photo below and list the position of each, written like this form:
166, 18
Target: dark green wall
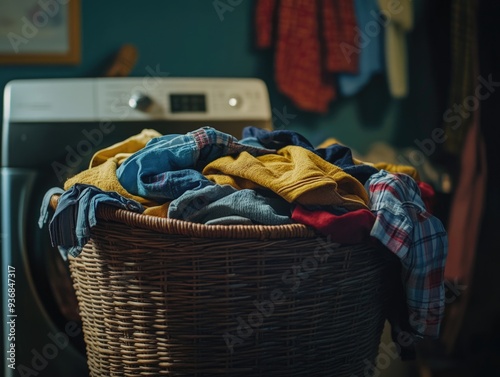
188, 38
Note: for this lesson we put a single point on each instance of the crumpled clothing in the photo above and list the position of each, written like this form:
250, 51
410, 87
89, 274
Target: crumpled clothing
428, 196
396, 168
294, 173
124, 149
418, 239
76, 213
225, 205
44, 209
348, 228
335, 154
379, 153
102, 167
104, 177
153, 171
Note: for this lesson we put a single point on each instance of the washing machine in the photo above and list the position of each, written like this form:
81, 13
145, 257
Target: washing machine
51, 129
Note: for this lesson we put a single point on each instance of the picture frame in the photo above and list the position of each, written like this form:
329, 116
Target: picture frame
40, 32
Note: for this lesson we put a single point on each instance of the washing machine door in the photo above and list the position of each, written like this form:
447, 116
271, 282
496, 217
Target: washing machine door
42, 329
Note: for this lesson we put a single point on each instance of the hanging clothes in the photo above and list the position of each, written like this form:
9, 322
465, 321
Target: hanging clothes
400, 22
465, 223
305, 30
467, 141
371, 59
457, 118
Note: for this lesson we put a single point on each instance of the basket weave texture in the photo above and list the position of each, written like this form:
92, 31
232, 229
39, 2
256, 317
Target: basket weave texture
167, 297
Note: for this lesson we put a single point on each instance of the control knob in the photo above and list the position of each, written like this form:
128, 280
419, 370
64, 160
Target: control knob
140, 101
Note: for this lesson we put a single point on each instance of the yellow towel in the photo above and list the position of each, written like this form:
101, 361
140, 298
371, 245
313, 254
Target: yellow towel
158, 211
394, 168
124, 149
391, 168
329, 141
102, 171
104, 177
294, 173
359, 162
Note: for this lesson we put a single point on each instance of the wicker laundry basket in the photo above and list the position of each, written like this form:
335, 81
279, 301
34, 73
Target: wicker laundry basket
168, 297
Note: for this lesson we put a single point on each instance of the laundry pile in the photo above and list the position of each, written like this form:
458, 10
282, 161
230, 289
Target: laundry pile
270, 178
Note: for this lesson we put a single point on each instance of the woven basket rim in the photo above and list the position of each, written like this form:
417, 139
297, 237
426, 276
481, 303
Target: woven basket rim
187, 228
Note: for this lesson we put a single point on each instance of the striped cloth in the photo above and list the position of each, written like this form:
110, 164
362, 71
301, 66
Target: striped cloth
418, 239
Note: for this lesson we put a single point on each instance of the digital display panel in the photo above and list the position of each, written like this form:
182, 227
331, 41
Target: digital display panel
188, 103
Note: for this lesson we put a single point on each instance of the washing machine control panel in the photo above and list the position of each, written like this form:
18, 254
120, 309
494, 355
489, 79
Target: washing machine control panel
140, 98
179, 98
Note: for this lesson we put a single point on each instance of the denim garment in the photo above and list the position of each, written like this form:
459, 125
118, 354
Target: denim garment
341, 156
230, 220
169, 185
336, 154
252, 140
44, 209
276, 139
226, 205
75, 215
145, 172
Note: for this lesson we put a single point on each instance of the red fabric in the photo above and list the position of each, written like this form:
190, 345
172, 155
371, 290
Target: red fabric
264, 17
465, 225
349, 228
301, 71
339, 23
428, 195
298, 71
467, 207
